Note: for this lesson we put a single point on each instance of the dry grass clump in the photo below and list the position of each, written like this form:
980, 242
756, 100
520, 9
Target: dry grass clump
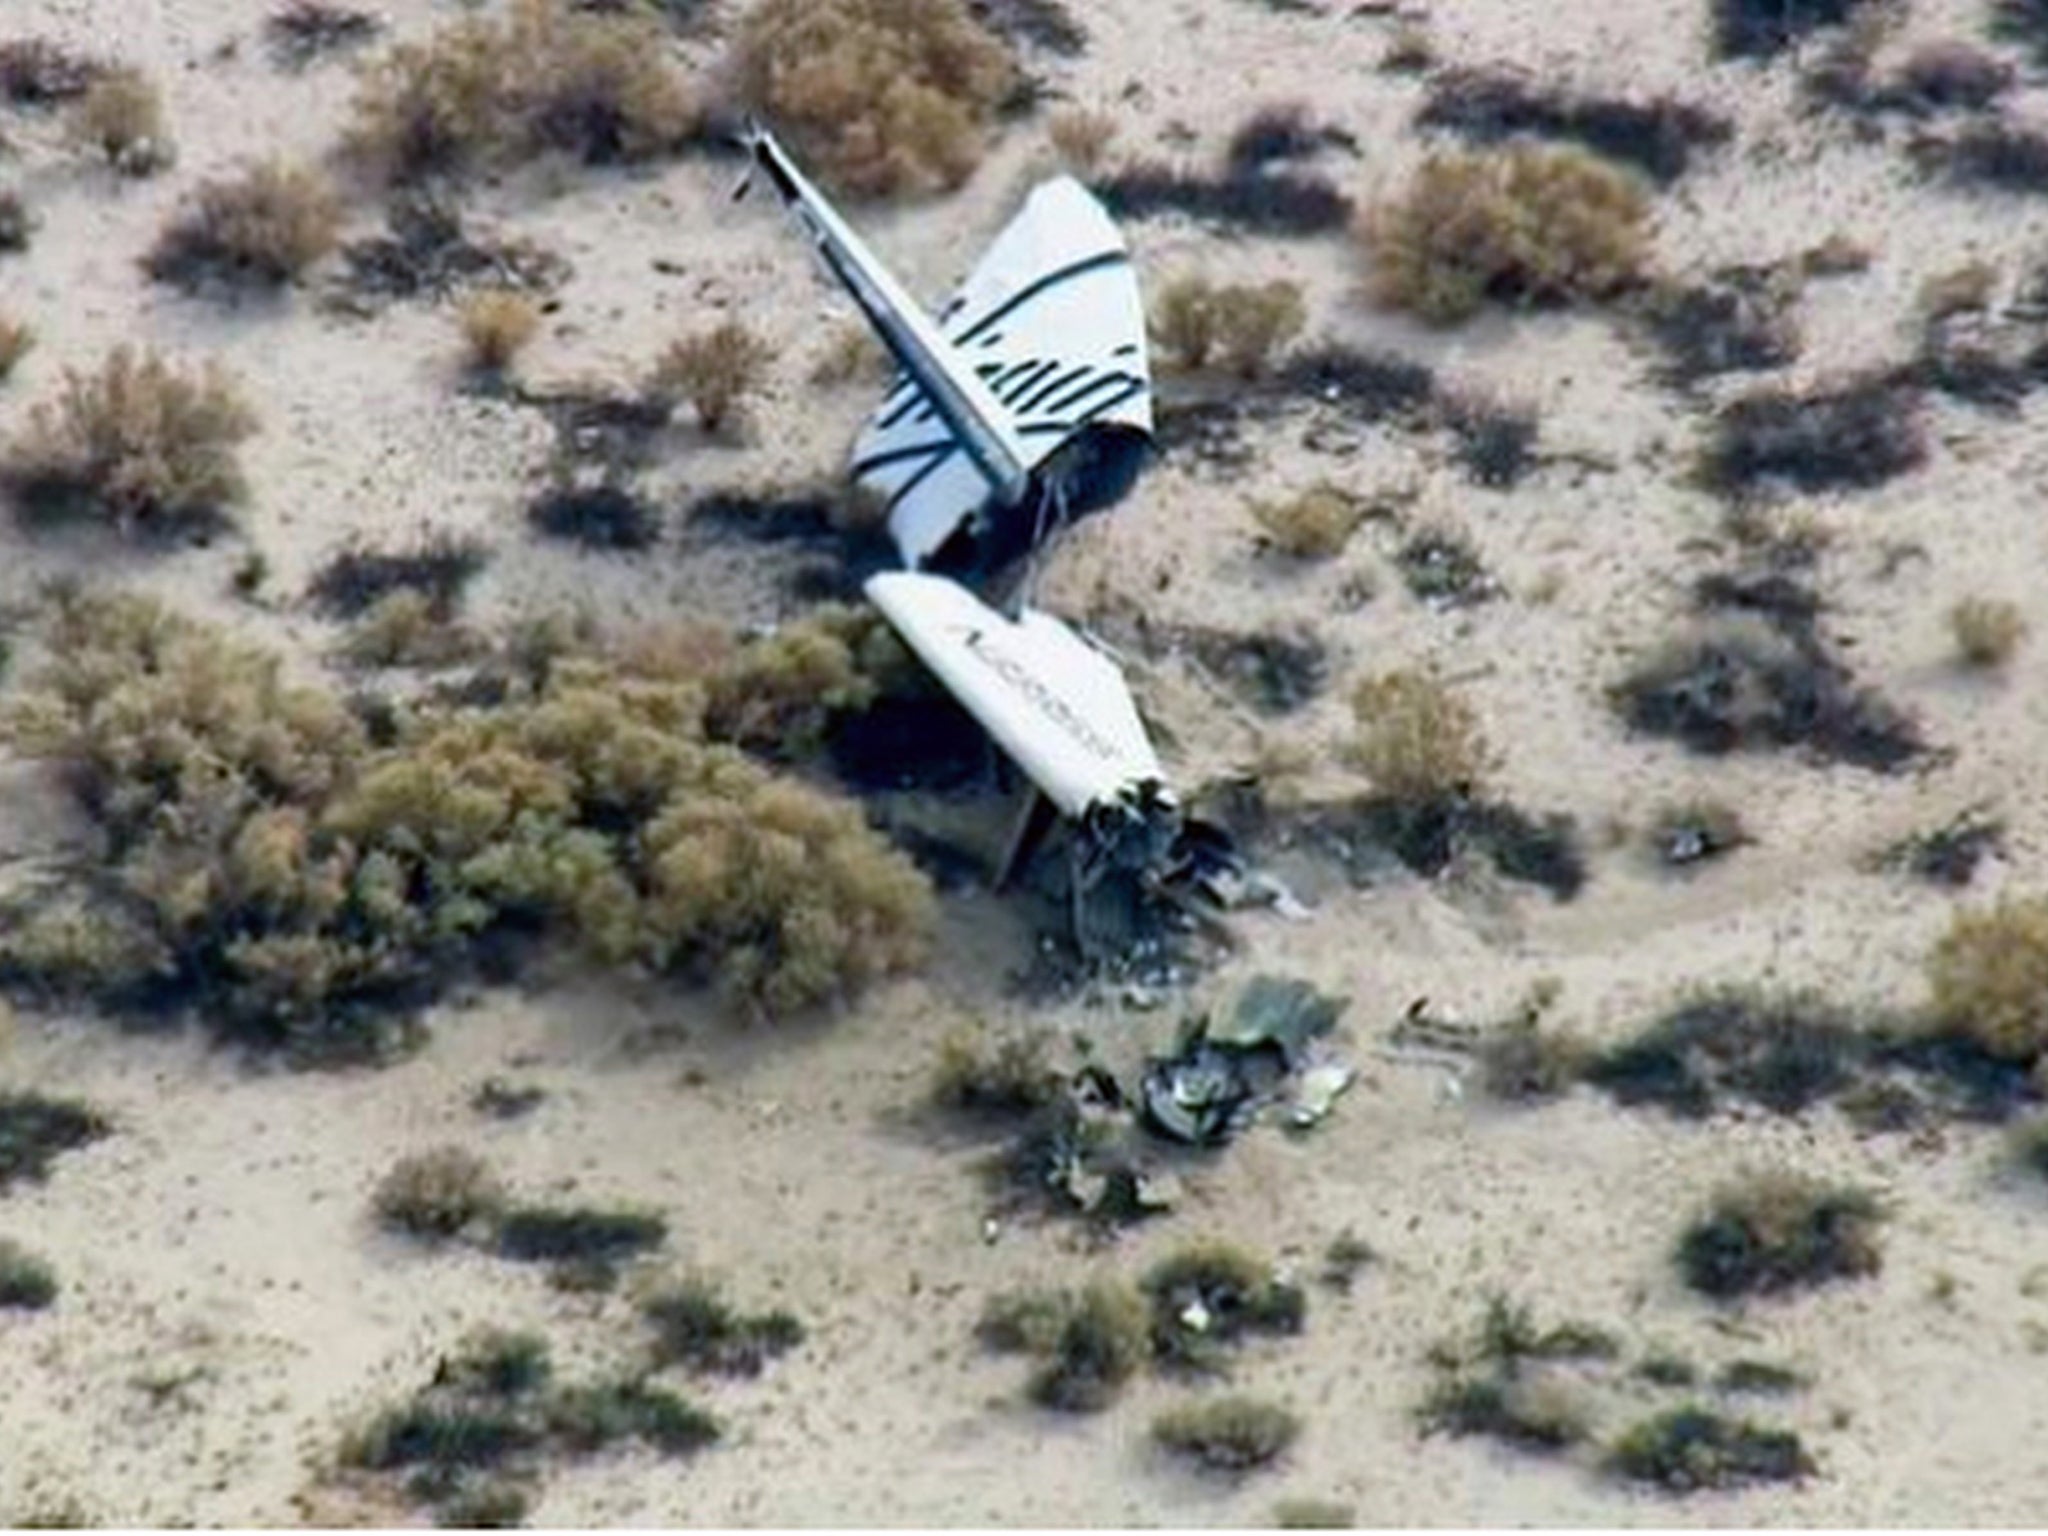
121, 115
696, 1326
405, 628
1228, 1434
1683, 1450
882, 96
301, 31
1989, 977
1775, 1232
1081, 136
1314, 525
716, 371
1987, 631
1417, 741
982, 1074
550, 76
264, 227
1089, 1342
497, 324
267, 860
140, 444
438, 1194
1208, 1294
1238, 327
1524, 224
35, 1131
27, 1283
17, 338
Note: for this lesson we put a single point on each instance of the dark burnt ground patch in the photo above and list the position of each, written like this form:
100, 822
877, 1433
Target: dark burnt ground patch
437, 565
1265, 202
1948, 855
1660, 136
1740, 320
1764, 29
1846, 436
1044, 24
1274, 672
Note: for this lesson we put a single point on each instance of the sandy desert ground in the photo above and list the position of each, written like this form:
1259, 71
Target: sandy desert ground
228, 1307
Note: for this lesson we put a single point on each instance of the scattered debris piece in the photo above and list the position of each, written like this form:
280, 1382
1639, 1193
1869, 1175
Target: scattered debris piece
1221, 1075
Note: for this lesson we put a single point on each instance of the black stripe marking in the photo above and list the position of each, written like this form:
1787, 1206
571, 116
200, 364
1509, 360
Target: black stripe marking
1031, 378
903, 490
890, 456
1066, 380
1032, 290
1074, 397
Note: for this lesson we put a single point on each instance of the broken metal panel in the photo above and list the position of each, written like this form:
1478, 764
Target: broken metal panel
1056, 705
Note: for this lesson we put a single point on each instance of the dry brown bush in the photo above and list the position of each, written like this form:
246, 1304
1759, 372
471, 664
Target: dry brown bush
1316, 524
1989, 977
1081, 136
715, 370
139, 443
1236, 326
1988, 631
121, 115
551, 76
497, 324
1417, 741
1523, 224
437, 1194
17, 337
882, 96
266, 226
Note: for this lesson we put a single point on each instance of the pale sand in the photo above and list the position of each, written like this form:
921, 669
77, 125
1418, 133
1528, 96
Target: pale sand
223, 1230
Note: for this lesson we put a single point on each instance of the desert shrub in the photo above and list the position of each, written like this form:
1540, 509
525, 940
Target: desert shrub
1100, 1344
1237, 327
17, 338
404, 629
696, 1326
1989, 977
1741, 321
1496, 441
782, 695
27, 1282
1949, 75
121, 115
438, 567
1315, 524
1081, 136
1739, 688
716, 371
1683, 1450
1950, 853
588, 1418
1417, 741
1522, 225
1228, 1434
1784, 1052
497, 324
1522, 1059
1854, 435
1208, 1294
550, 76
438, 1194
979, 1074
1987, 630
1537, 1413
1992, 154
882, 96
1410, 51
1023, 1321
301, 31
1443, 569
1762, 29
266, 227
1775, 1232
1275, 135
1658, 137
35, 72
17, 224
35, 1131
1758, 1376
141, 444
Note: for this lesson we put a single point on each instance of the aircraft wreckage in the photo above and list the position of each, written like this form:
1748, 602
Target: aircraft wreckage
1026, 403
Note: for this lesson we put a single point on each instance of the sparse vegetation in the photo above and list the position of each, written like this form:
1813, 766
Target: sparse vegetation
1523, 1058
1228, 1434
1989, 977
1988, 631
265, 227
980, 1073
1525, 225
1658, 137
1417, 740
1443, 570
882, 96
303, 31
35, 1131
1686, 1449
599, 85
1496, 440
141, 444
1782, 1052
27, 1283
696, 1326
716, 371
1281, 203
1496, 1385
1949, 854
405, 629
35, 72
1236, 327
497, 325
1854, 435
438, 1194
579, 1234
437, 566
1101, 1339
1314, 524
1081, 136
1741, 321
1763, 29
1773, 1232
121, 116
